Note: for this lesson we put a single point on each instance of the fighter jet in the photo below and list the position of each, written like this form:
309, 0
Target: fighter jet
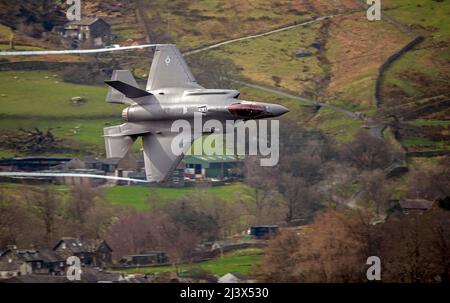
172, 93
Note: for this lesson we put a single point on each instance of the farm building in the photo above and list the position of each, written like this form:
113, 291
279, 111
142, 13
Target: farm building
94, 31
211, 166
146, 258
31, 163
263, 231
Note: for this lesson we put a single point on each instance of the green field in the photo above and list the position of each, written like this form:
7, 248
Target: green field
432, 16
30, 99
145, 198
341, 127
424, 144
44, 94
265, 59
423, 71
243, 261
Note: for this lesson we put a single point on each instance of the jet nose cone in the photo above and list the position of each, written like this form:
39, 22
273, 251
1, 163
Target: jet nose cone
278, 110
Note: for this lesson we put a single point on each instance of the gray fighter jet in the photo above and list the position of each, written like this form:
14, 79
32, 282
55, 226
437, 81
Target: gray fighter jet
172, 93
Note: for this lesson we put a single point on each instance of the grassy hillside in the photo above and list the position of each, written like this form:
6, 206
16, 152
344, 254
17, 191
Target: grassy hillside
195, 23
144, 198
420, 79
271, 60
45, 94
355, 49
41, 99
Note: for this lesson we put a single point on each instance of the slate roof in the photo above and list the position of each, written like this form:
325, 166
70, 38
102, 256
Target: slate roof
44, 255
416, 204
36, 279
81, 246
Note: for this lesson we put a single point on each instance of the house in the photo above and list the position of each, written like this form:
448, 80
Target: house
10, 268
411, 206
133, 162
234, 277
92, 252
93, 31
146, 258
34, 261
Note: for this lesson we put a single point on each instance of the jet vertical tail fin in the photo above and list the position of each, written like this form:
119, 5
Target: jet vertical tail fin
170, 70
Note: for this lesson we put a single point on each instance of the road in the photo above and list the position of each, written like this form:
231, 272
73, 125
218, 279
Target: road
206, 48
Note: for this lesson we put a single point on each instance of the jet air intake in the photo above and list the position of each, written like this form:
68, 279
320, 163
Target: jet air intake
246, 110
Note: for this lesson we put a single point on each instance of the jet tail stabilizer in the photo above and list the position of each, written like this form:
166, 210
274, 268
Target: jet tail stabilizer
117, 145
123, 88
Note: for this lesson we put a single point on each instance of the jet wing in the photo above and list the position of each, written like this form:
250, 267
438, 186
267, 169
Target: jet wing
170, 70
159, 158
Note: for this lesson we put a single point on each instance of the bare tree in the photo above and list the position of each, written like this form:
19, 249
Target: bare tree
303, 200
88, 214
14, 221
415, 248
137, 232
280, 258
48, 208
186, 213
431, 184
81, 201
367, 152
375, 192
330, 252
178, 241
267, 206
